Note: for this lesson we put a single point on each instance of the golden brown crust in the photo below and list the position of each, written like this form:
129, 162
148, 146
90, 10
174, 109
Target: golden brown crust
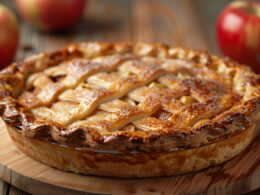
133, 165
199, 110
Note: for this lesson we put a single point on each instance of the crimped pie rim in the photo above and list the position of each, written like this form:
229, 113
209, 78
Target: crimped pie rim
225, 125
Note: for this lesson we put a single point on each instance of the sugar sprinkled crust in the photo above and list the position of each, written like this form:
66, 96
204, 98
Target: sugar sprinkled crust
129, 96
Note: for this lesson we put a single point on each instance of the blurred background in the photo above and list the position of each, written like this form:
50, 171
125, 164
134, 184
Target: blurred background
188, 23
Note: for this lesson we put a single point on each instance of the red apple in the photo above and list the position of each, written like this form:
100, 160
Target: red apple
238, 32
51, 15
9, 36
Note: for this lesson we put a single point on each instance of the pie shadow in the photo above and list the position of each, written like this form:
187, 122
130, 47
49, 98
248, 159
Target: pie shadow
84, 28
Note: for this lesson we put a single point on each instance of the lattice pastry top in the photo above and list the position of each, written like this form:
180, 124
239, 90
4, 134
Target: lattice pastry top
129, 96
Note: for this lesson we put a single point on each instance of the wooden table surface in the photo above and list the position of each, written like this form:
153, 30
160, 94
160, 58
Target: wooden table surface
188, 23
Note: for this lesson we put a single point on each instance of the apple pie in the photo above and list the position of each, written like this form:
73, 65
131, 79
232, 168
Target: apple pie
129, 109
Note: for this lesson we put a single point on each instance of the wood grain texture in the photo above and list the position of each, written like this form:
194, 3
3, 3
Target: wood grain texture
165, 21
4, 187
240, 175
15, 191
208, 13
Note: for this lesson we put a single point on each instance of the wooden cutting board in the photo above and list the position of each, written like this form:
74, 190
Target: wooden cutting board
240, 175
